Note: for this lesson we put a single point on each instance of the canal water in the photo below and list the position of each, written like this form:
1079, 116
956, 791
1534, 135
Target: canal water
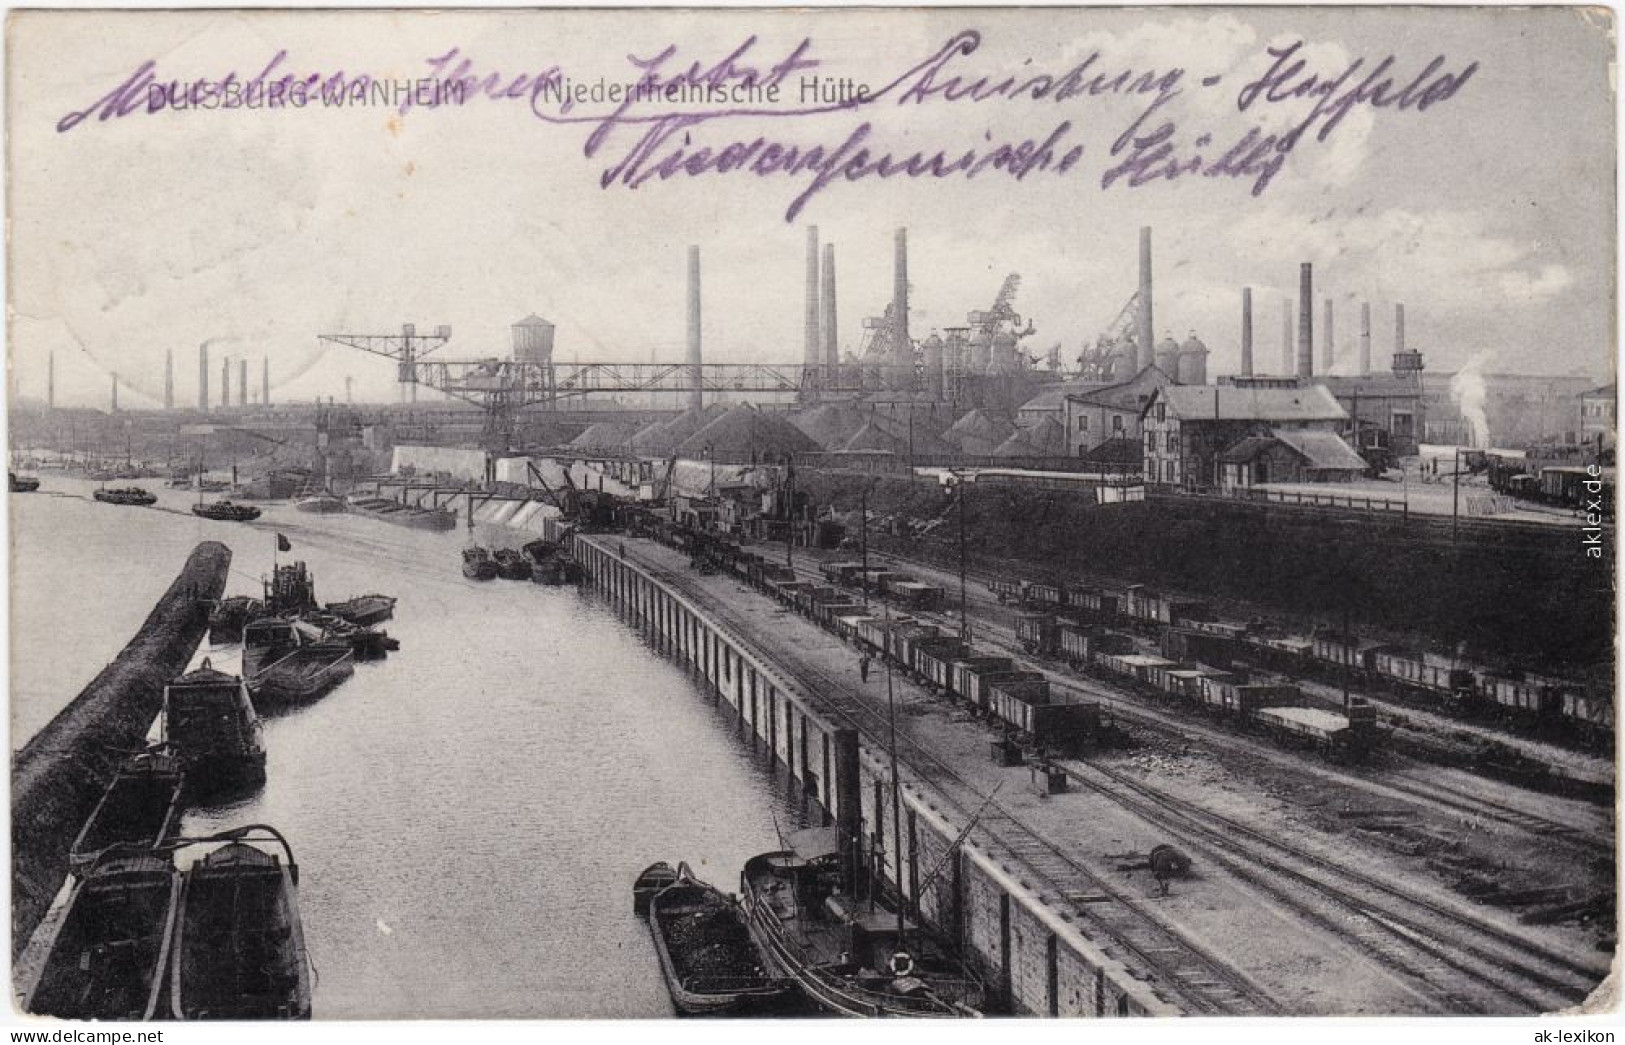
469, 814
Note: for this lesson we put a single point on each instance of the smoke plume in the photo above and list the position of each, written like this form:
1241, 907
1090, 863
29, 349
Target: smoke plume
1467, 391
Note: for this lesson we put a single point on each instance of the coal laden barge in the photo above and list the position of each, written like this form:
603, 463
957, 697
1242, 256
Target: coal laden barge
403, 514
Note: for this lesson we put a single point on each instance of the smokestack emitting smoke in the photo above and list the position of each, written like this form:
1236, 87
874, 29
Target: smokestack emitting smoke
811, 343
169, 379
1306, 320
1329, 353
902, 348
1147, 341
696, 398
1247, 331
265, 380
203, 378
1365, 338
1286, 338
242, 382
832, 351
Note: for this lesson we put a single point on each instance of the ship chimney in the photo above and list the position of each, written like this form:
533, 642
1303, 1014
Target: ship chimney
242, 382
1306, 320
832, 352
1145, 336
1286, 337
1365, 338
812, 344
1328, 354
1247, 331
203, 378
169, 379
848, 810
902, 349
696, 397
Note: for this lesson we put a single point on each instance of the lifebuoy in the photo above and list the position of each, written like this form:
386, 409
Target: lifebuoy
901, 964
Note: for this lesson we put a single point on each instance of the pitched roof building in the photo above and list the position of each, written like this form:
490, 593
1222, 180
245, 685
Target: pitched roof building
1192, 434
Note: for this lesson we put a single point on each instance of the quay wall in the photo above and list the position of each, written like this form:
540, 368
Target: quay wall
1038, 961
60, 775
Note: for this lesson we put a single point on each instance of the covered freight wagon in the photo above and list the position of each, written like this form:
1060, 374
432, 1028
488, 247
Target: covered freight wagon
934, 661
916, 596
967, 670
979, 683
1038, 633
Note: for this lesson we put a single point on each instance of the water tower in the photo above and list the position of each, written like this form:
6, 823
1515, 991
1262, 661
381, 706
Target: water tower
533, 341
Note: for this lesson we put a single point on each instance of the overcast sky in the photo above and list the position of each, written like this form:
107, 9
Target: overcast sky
1490, 215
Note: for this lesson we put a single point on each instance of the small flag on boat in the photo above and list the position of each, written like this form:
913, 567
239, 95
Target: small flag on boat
282, 544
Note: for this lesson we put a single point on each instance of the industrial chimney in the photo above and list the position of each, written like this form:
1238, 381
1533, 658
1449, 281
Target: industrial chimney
1328, 353
1306, 320
902, 349
50, 381
696, 397
225, 383
1365, 338
242, 382
265, 380
169, 379
1144, 336
1286, 337
1246, 331
203, 378
832, 351
115, 393
1399, 329
812, 344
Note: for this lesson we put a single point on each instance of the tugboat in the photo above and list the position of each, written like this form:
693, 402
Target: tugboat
287, 662
707, 956
22, 483
225, 511
105, 955
131, 495
291, 589
229, 616
239, 942
478, 564
138, 810
364, 610
511, 565
210, 725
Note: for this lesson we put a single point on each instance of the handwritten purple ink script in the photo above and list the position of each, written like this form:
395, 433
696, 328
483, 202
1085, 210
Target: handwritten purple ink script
671, 116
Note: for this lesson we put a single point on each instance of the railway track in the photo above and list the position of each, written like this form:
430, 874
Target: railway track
1452, 953
1454, 958
1002, 640
1186, 974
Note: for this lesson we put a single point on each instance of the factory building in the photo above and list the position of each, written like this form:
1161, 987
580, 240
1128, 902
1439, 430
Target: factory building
1187, 430
1599, 415
1107, 413
1385, 410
